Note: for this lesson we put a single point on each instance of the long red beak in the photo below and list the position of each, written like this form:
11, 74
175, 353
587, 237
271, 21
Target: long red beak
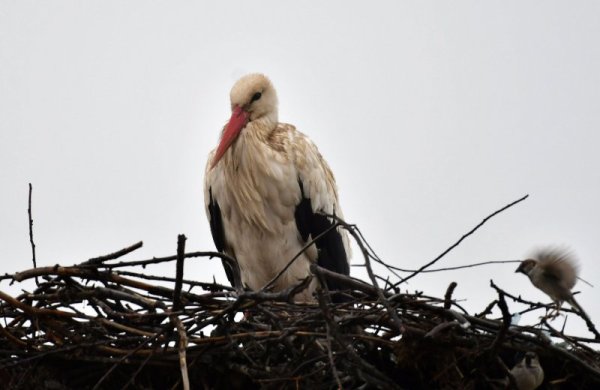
238, 120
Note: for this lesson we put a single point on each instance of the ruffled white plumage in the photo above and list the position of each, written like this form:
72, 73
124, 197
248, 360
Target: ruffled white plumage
257, 185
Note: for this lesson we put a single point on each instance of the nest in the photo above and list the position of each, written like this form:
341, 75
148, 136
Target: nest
106, 324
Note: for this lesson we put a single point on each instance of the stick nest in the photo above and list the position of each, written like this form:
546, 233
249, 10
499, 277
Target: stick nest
103, 324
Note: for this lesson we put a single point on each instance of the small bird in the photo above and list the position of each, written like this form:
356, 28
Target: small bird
268, 192
528, 373
555, 272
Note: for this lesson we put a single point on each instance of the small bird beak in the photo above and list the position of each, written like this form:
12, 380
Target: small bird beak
236, 123
520, 268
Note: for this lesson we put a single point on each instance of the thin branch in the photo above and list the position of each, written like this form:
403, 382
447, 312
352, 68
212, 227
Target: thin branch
192, 283
183, 342
31, 232
448, 295
179, 272
457, 243
114, 255
328, 330
585, 317
293, 259
506, 319
448, 268
367, 257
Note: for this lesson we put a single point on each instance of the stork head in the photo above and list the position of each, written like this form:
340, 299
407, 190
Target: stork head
253, 98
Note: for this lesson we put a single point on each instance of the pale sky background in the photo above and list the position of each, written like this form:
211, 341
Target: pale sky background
431, 114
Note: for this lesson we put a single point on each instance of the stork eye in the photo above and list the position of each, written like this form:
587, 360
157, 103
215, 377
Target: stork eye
256, 96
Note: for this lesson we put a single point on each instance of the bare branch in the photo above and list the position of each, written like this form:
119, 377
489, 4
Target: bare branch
31, 231
452, 268
448, 295
457, 243
114, 255
179, 272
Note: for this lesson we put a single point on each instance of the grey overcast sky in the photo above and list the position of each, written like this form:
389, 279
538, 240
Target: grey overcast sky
431, 114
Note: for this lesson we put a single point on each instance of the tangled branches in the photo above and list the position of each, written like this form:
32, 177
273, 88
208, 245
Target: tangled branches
102, 324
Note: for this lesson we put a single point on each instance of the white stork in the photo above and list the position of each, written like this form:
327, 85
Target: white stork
266, 191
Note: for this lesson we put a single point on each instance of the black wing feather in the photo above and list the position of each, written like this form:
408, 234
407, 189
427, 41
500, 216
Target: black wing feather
218, 234
331, 252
